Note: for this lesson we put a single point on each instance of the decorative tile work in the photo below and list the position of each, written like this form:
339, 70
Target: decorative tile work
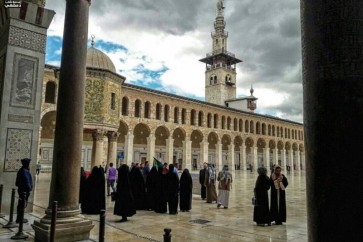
24, 80
18, 146
27, 39
94, 100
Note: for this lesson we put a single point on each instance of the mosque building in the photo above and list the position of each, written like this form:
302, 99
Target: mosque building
129, 123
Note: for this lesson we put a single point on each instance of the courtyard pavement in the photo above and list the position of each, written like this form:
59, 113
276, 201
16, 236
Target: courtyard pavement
203, 223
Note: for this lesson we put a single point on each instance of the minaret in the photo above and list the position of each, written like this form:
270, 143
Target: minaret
220, 74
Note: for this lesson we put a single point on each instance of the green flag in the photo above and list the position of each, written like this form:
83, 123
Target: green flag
157, 164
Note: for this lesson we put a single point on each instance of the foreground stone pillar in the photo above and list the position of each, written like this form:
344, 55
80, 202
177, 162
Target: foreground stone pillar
71, 226
291, 160
332, 47
283, 160
112, 148
298, 162
266, 158
254, 158
275, 156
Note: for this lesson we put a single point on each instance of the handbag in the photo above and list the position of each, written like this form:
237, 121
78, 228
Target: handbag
113, 196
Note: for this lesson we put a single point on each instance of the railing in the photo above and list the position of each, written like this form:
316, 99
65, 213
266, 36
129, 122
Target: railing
215, 66
225, 33
220, 51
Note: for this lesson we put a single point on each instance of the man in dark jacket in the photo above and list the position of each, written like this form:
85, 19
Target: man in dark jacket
24, 183
201, 181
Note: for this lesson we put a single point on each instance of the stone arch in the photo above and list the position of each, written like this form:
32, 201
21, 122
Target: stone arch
212, 140
295, 147
263, 129
261, 144
166, 113
280, 145
287, 145
226, 141
161, 134
122, 129
251, 127
141, 132
47, 110
196, 138
301, 147
272, 144
176, 115
238, 142
258, 127
48, 125
179, 136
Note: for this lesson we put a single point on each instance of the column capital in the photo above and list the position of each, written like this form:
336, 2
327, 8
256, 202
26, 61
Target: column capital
98, 135
112, 136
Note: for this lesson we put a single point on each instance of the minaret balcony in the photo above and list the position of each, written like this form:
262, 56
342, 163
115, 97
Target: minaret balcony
217, 33
220, 51
219, 65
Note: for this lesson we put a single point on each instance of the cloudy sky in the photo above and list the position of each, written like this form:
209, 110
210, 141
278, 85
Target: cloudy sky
157, 44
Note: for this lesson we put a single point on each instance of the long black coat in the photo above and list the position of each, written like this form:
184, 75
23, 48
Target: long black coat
278, 214
261, 212
151, 189
161, 193
94, 197
203, 194
137, 184
172, 190
124, 205
186, 189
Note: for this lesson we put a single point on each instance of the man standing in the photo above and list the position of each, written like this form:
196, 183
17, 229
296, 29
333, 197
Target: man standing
24, 183
201, 181
224, 186
38, 168
278, 196
111, 178
209, 182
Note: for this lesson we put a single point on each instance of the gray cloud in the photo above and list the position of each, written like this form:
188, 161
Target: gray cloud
264, 34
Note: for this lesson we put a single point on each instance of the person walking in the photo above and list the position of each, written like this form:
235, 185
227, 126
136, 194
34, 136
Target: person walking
224, 186
111, 178
186, 189
261, 212
124, 205
201, 181
24, 183
38, 168
278, 184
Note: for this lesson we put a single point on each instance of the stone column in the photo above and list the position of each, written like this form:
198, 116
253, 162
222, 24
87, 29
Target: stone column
275, 156
129, 148
332, 44
291, 160
298, 165
230, 157
283, 159
255, 157
266, 152
169, 150
243, 157
150, 148
187, 153
218, 156
203, 152
97, 148
65, 181
112, 148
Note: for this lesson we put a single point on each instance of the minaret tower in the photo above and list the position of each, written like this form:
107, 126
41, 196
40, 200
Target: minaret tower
220, 74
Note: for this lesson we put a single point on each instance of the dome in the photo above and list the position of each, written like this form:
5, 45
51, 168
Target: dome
98, 59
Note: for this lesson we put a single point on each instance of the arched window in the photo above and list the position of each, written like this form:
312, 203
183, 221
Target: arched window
158, 111
269, 130
209, 120
235, 125
125, 106
211, 80
251, 127
137, 108
273, 130
166, 113
240, 128
113, 101
50, 92
247, 125
215, 121
264, 129
258, 128
192, 117
229, 121
200, 118
281, 132
147, 110
223, 122
293, 134
176, 115
215, 79
183, 115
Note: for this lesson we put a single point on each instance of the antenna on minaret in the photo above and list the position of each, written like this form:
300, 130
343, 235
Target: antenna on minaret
220, 7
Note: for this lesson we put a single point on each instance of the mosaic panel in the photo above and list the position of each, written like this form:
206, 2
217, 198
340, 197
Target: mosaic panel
18, 146
24, 79
27, 39
94, 100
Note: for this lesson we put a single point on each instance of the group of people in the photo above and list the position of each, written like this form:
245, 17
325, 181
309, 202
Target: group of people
157, 189
208, 180
277, 182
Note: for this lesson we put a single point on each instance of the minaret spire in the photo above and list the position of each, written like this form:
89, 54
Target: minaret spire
220, 8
